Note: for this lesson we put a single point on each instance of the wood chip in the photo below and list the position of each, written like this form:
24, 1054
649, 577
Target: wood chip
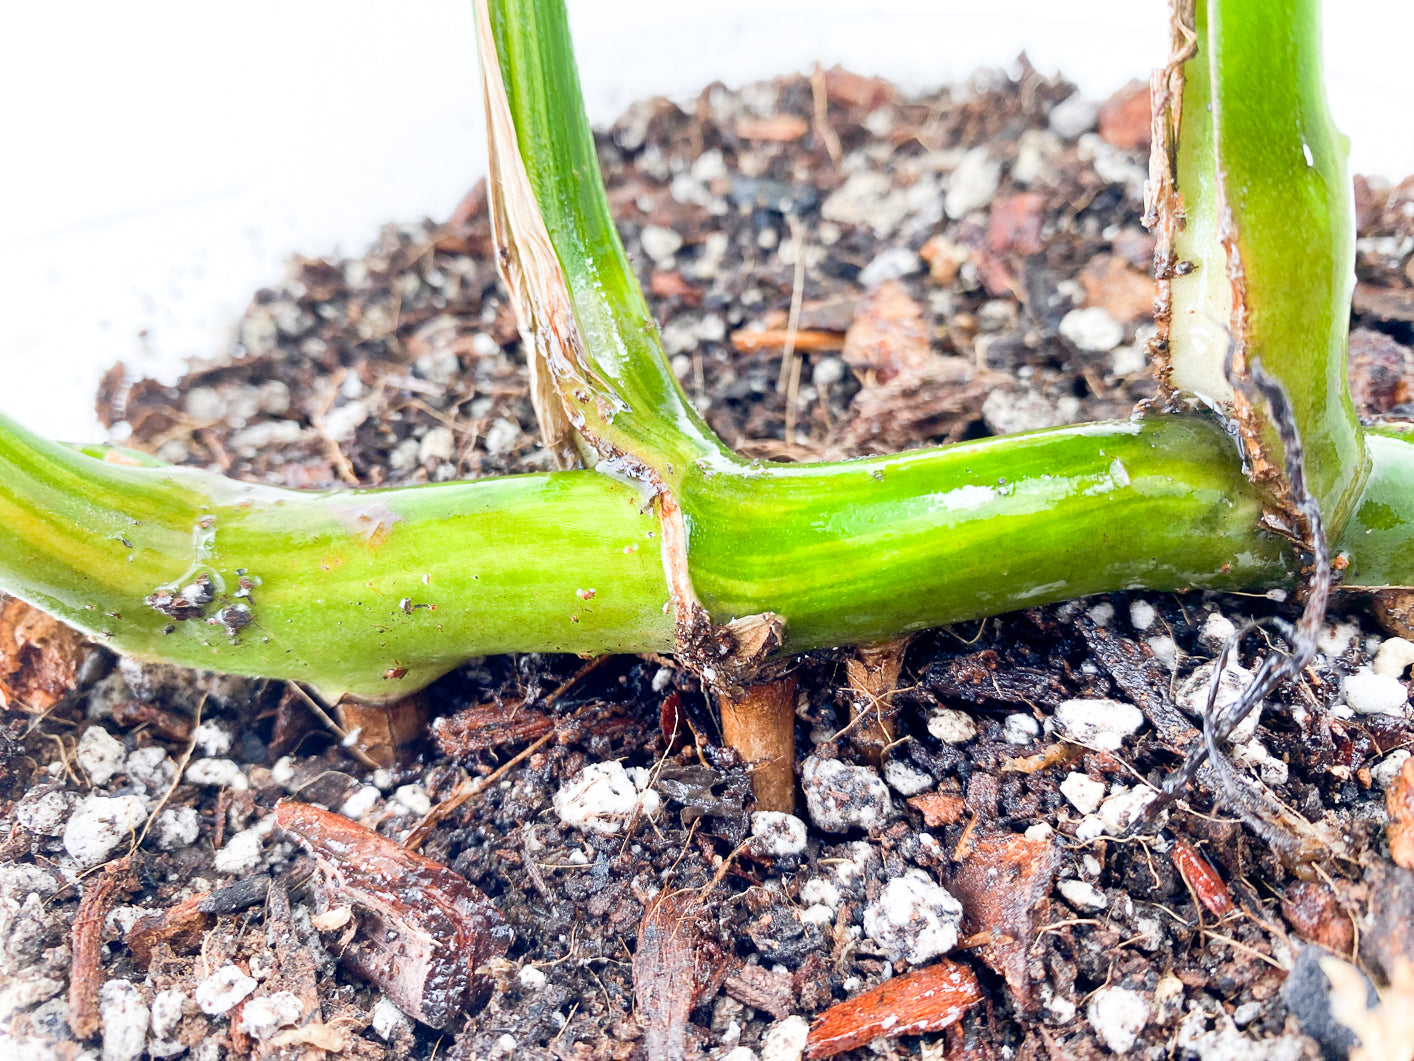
86, 945
888, 335
385, 731
1400, 803
676, 964
926, 1000
179, 927
855, 90
1125, 118
1118, 288
488, 726
39, 658
423, 930
807, 340
1198, 873
1014, 224
938, 401
1004, 886
1316, 915
780, 128
764, 989
938, 808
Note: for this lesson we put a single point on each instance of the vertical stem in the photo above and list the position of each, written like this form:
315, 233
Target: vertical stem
873, 673
1263, 265
759, 722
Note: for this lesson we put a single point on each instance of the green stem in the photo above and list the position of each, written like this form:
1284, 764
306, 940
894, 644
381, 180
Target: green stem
1269, 235
371, 592
377, 592
638, 407
1379, 539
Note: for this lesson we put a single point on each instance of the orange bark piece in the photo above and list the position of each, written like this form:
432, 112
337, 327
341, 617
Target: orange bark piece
1120, 290
807, 340
849, 89
1314, 912
1200, 875
672, 285
925, 1000
39, 658
1399, 801
888, 334
86, 946
779, 127
1015, 223
938, 808
1124, 119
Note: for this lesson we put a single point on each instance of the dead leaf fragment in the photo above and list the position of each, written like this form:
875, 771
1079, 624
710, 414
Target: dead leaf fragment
423, 931
1003, 886
938, 400
1400, 803
888, 335
676, 964
39, 658
179, 927
926, 1000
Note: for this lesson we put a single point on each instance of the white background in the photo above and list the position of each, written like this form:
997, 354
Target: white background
160, 160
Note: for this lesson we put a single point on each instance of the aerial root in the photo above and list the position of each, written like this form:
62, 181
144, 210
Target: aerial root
1285, 831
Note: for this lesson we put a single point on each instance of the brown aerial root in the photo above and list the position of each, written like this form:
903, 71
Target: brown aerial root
872, 673
758, 721
384, 732
86, 944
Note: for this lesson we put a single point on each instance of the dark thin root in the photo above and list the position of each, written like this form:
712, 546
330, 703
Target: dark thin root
1276, 668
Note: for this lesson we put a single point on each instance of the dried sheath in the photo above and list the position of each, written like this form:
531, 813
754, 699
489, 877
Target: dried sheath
423, 931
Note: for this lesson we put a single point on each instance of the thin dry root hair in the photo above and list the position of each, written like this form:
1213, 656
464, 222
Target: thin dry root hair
1277, 667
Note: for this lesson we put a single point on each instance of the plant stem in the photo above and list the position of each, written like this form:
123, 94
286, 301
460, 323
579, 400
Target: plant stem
624, 396
1268, 245
369, 592
759, 722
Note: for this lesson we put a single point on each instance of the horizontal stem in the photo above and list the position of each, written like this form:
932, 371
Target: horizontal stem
377, 592
373, 592
868, 549
1379, 540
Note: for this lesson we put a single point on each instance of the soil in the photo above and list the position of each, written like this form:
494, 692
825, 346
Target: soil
953, 266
